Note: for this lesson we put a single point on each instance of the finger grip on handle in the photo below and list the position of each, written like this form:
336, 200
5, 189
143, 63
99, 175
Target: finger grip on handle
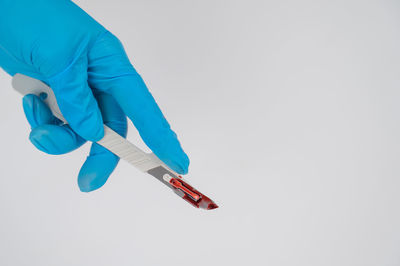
27, 85
111, 140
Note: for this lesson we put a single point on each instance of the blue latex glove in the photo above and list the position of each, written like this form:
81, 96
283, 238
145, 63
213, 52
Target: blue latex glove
86, 66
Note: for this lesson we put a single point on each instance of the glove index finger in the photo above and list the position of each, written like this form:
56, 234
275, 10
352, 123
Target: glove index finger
139, 105
111, 71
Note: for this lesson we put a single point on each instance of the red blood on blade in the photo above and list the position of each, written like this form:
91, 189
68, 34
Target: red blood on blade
191, 195
212, 206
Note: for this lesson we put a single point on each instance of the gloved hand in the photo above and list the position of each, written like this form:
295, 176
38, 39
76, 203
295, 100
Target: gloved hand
86, 66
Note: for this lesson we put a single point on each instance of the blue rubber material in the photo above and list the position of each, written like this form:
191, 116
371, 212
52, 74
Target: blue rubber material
94, 82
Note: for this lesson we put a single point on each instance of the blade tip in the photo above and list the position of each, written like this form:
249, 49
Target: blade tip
212, 206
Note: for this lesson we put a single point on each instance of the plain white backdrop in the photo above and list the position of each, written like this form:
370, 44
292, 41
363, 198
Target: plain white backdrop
289, 111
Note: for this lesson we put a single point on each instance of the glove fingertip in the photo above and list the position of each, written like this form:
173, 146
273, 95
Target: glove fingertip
36, 137
185, 165
96, 171
172, 154
54, 139
178, 164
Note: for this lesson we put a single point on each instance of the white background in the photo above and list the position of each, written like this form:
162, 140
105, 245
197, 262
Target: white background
289, 111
